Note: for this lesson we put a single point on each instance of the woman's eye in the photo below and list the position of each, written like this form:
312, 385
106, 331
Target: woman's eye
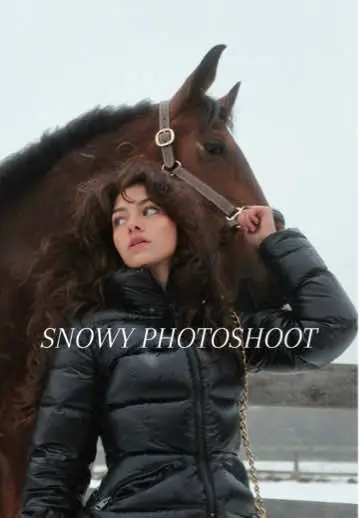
118, 221
215, 148
150, 210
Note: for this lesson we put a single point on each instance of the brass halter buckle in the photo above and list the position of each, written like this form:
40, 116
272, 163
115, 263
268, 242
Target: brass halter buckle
164, 137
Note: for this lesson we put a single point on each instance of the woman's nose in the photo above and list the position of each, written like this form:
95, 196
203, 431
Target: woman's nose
134, 224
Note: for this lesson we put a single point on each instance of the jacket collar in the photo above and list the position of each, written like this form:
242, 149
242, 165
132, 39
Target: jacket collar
136, 291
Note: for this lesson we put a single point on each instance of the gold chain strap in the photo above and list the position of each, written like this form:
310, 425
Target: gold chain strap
258, 502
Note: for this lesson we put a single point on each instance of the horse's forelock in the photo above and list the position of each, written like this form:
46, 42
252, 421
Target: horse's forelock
212, 111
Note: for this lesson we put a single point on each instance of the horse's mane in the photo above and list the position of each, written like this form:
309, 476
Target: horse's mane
27, 166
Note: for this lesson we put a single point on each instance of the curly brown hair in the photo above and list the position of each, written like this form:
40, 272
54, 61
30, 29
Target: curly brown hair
70, 268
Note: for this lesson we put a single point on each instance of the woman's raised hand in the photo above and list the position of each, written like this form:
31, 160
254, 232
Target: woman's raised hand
257, 222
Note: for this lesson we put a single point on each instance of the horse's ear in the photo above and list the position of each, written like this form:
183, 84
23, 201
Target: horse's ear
199, 81
227, 101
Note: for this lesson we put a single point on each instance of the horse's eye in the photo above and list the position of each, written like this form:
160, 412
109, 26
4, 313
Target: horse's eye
215, 148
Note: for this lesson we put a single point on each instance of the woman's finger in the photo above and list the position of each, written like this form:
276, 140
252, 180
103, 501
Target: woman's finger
252, 216
254, 219
251, 224
247, 222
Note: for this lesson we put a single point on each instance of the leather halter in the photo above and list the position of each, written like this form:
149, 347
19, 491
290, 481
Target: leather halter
164, 139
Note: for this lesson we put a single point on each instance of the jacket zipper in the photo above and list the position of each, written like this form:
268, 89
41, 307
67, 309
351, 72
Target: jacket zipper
155, 473
204, 466
102, 503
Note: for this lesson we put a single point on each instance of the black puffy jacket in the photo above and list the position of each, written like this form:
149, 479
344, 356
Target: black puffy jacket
168, 417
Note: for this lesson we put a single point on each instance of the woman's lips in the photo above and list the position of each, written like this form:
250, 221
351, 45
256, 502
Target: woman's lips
139, 245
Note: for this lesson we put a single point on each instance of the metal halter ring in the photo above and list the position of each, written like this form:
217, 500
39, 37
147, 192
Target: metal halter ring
239, 211
172, 171
232, 218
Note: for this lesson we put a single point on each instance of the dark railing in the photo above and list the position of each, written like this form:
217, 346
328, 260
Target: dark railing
333, 386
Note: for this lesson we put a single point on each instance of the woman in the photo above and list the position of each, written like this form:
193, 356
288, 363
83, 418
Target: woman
137, 281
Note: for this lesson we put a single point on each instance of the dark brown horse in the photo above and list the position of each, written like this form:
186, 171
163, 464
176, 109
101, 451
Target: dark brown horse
37, 187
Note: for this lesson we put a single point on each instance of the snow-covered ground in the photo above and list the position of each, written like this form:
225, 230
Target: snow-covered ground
334, 482
311, 491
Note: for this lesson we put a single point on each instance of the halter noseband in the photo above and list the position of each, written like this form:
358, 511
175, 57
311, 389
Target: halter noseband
164, 139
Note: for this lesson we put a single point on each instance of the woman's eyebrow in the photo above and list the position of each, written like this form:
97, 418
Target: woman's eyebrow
139, 203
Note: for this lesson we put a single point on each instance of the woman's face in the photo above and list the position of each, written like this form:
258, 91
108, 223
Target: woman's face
142, 233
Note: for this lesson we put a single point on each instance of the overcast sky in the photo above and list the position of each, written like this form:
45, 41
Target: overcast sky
295, 115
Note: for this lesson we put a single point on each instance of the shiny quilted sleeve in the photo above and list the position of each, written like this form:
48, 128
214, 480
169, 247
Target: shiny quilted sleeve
320, 321
65, 435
